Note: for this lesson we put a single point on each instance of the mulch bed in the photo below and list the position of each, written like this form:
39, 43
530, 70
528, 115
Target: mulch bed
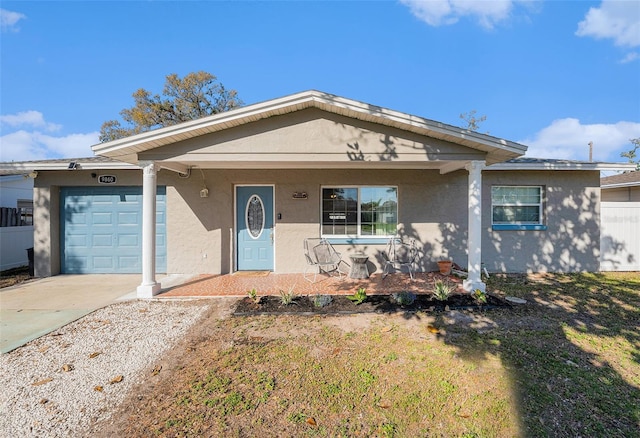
340, 304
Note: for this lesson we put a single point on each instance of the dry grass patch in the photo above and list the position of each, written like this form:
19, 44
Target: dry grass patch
360, 375
566, 364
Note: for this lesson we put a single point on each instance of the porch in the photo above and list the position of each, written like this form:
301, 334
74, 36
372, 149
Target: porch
238, 284
300, 147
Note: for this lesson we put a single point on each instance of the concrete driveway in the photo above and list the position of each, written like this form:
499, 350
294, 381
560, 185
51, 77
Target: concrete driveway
38, 307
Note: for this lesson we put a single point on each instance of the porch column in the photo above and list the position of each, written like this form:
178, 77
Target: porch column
149, 287
474, 240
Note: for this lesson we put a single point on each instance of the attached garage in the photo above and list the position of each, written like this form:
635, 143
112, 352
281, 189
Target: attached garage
101, 230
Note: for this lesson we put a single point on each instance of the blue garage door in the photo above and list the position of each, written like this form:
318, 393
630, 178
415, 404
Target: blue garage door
102, 230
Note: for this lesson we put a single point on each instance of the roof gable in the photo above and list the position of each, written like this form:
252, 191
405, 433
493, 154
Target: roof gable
127, 149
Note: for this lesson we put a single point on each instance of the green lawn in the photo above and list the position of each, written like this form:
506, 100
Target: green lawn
565, 364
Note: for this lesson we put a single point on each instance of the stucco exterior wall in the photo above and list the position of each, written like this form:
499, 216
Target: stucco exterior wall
571, 242
312, 136
432, 210
199, 226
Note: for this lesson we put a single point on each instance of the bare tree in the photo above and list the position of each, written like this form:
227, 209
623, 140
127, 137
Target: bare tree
473, 122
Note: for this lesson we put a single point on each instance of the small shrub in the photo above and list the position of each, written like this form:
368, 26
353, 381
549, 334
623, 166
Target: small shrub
480, 296
441, 290
253, 295
359, 297
321, 300
287, 297
404, 298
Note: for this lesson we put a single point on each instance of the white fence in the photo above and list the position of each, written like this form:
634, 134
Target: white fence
14, 242
620, 236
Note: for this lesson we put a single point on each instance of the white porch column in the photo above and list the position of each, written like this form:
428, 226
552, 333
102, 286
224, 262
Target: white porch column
474, 240
149, 287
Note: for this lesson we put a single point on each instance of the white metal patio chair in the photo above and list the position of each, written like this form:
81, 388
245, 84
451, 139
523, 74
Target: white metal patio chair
322, 257
399, 254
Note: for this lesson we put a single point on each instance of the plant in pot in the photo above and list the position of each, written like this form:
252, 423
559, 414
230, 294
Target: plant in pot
445, 266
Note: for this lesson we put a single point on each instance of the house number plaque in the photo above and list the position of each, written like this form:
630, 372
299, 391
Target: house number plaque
107, 179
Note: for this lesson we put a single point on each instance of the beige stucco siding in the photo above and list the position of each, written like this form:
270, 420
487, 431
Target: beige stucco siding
571, 241
198, 226
432, 210
312, 136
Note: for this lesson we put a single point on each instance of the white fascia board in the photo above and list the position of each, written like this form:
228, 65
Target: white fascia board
561, 166
620, 185
28, 167
145, 141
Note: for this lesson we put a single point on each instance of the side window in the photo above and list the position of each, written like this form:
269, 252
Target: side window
516, 205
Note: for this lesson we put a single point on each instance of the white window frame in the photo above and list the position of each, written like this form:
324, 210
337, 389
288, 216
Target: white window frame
517, 203
359, 234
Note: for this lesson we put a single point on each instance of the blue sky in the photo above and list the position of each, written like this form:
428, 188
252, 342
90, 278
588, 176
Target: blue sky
552, 75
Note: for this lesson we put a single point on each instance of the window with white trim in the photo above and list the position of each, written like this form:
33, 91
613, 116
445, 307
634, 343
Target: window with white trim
516, 205
359, 211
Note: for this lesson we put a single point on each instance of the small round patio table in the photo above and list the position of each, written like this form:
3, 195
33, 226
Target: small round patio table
359, 265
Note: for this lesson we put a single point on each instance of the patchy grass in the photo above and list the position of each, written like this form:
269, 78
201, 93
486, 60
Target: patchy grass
11, 277
565, 364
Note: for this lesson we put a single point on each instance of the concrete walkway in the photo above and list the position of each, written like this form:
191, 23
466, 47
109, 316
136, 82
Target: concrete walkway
35, 308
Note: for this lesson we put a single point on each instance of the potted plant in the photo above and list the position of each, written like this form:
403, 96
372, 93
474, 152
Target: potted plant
445, 266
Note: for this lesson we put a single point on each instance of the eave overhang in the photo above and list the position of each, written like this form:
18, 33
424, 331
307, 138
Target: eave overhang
127, 149
25, 167
554, 165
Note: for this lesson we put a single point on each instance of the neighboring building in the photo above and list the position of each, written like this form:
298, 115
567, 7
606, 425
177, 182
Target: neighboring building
624, 187
241, 190
16, 219
620, 222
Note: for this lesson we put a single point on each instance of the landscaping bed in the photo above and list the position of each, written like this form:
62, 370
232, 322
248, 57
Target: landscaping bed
563, 365
341, 304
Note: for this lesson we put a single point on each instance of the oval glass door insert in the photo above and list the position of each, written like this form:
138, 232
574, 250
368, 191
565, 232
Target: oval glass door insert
255, 216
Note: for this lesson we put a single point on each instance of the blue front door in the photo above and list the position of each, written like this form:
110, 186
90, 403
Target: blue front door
254, 228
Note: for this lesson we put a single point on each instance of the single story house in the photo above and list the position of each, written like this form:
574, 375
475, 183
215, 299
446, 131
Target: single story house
620, 222
241, 190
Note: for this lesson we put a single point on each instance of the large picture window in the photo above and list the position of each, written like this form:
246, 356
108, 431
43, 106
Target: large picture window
516, 205
359, 211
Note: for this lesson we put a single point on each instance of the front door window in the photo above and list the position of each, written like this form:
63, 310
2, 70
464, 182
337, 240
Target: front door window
255, 216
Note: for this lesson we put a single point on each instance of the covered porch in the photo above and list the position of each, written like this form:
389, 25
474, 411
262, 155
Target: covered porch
339, 143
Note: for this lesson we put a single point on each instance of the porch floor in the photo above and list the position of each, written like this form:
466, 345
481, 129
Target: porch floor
238, 284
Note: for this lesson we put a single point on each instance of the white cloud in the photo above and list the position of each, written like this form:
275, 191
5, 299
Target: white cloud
35, 141
28, 118
615, 19
26, 146
630, 57
569, 139
9, 20
445, 12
